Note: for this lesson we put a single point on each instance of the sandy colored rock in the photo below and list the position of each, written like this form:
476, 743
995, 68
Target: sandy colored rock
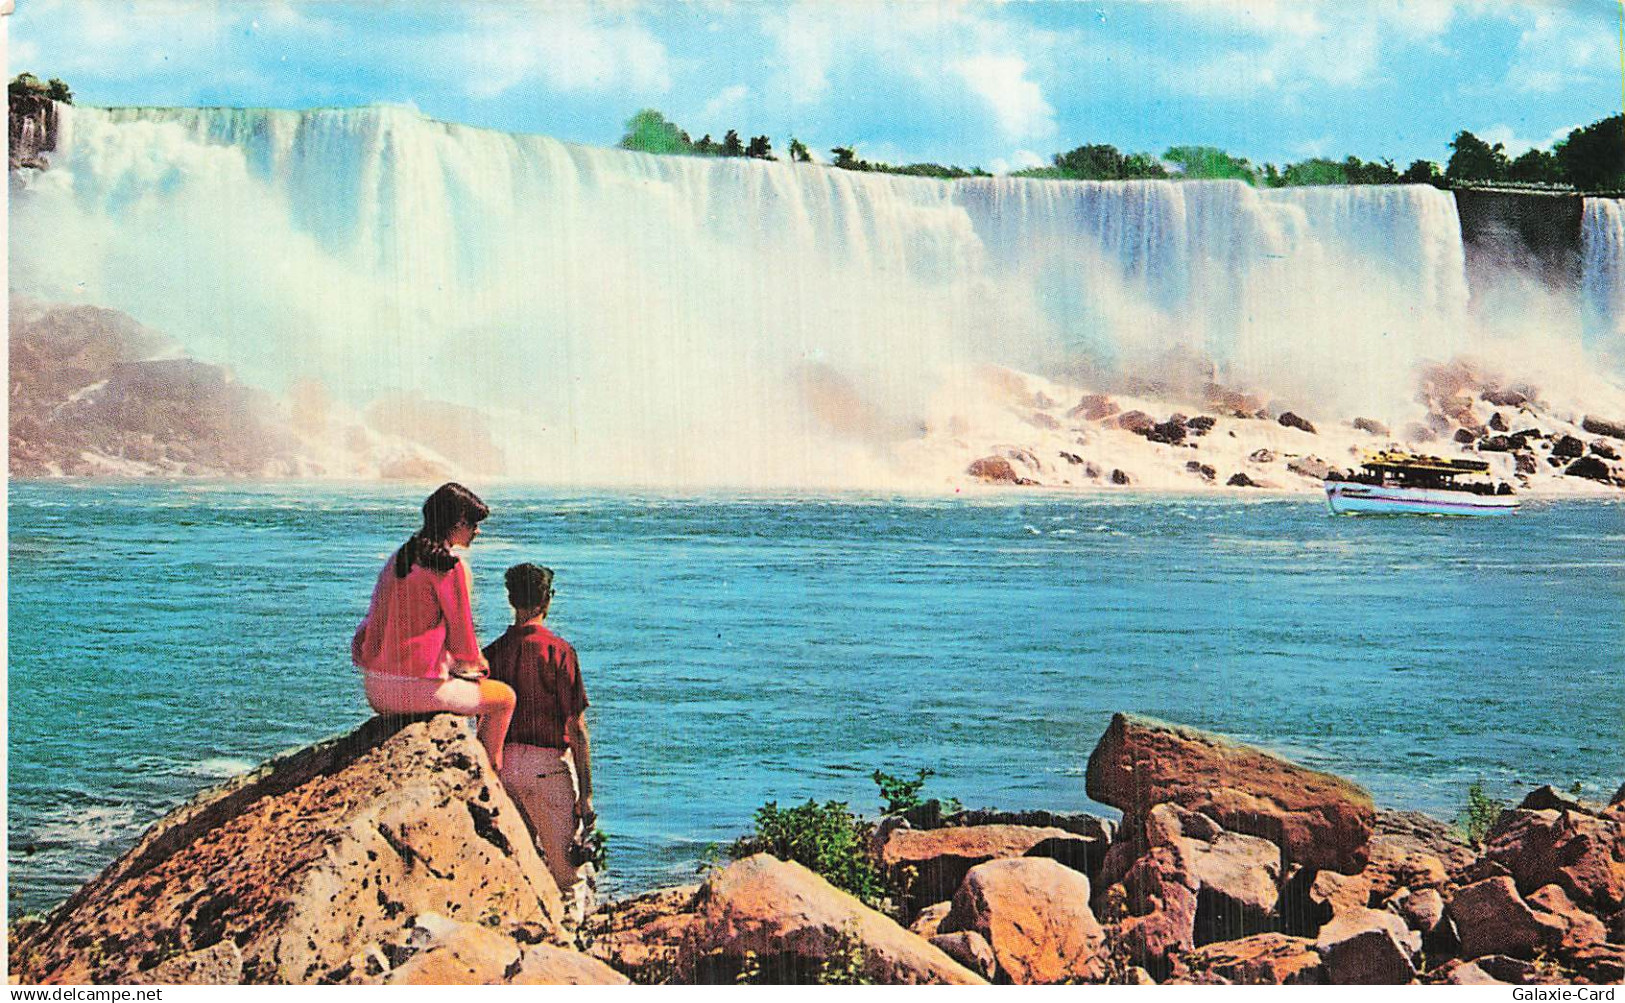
1493, 919
548, 965
1317, 819
466, 955
1035, 915
1368, 947
1400, 863
304, 864
1264, 959
970, 949
643, 936
996, 469
1422, 910
1583, 928
930, 918
791, 921
940, 858
1584, 854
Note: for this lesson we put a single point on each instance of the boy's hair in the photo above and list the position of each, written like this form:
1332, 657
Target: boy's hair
529, 585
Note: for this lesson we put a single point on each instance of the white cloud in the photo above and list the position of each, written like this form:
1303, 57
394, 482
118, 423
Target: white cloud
1515, 144
1559, 49
1020, 160
725, 104
1017, 103
568, 48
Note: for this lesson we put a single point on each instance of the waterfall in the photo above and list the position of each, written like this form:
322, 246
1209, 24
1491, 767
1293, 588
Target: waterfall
675, 320
1602, 276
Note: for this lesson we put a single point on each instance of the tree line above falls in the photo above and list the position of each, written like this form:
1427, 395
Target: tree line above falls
1591, 159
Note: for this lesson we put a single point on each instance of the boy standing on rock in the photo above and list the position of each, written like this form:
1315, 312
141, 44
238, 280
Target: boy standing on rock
547, 761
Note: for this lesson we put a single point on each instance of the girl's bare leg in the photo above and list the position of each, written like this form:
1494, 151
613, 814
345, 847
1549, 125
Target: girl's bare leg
496, 713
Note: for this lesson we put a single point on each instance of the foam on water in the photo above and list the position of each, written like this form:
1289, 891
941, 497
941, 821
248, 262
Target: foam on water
682, 321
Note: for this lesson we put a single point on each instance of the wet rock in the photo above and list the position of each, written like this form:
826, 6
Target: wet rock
1591, 468
1240, 480
1499, 423
940, 858
1093, 407
305, 863
790, 920
970, 949
1206, 472
1372, 426
1291, 420
1491, 918
1035, 915
1465, 436
1604, 450
1202, 424
1119, 477
1317, 819
1602, 426
1527, 464
1312, 467
1261, 456
1072, 458
1137, 422
1582, 854
1167, 432
1039, 419
1549, 798
1505, 398
1494, 444
994, 469
1368, 947
1568, 447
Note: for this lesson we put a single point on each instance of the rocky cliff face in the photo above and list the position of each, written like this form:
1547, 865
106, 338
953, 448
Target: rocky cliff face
391, 854
33, 130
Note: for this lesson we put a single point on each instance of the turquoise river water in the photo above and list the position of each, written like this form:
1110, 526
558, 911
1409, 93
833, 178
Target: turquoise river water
163, 637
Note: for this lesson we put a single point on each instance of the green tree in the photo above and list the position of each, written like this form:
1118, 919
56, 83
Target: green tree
1370, 172
56, 90
846, 158
761, 148
706, 147
1314, 171
1422, 172
1536, 166
1592, 158
1475, 160
798, 151
649, 132
1210, 163
731, 146
1097, 162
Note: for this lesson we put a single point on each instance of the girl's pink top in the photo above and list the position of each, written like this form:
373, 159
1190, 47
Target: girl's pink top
417, 625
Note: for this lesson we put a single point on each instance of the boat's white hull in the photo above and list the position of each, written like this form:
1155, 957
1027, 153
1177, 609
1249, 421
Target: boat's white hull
1351, 498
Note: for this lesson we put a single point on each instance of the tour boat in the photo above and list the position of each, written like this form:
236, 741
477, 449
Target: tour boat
1411, 484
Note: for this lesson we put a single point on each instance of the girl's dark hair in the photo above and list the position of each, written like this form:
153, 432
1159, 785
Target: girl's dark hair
449, 505
529, 585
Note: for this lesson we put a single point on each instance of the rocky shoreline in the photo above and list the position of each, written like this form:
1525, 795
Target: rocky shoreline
392, 855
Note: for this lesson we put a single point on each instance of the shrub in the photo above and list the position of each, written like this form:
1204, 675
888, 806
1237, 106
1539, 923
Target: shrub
825, 838
1480, 812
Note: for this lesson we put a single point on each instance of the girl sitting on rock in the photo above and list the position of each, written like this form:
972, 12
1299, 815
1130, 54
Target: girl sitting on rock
416, 646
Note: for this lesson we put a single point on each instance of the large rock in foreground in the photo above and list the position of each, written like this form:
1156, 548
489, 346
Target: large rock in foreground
322, 866
1318, 820
793, 927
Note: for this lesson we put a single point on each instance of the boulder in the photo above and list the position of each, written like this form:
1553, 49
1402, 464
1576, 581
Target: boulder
1368, 947
1318, 820
1505, 398
1291, 420
1180, 880
1119, 477
1467, 973
546, 965
1202, 424
1494, 444
1137, 422
930, 918
1264, 959
1526, 463
1491, 918
1465, 436
1170, 432
1568, 447
1206, 472
1035, 915
1421, 910
469, 954
1550, 798
1602, 964
1602, 426
1240, 480
1498, 423
643, 936
1604, 450
1592, 468
1581, 853
1399, 863
1261, 456
995, 469
305, 865
940, 858
1312, 467
790, 921
1093, 407
1583, 928
1371, 426
970, 949
1078, 823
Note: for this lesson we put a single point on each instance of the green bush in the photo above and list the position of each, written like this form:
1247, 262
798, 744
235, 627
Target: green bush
1480, 813
825, 838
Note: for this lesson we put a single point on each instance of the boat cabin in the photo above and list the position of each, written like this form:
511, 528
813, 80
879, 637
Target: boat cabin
1413, 470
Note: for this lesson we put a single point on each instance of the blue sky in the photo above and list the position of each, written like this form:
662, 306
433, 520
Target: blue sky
995, 84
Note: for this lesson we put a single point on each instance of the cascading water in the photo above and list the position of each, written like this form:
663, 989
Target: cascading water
1602, 276
676, 320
